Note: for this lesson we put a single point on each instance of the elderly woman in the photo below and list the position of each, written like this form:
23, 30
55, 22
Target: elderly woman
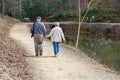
56, 35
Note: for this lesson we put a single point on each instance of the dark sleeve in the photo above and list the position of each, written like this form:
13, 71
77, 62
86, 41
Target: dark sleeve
31, 28
44, 29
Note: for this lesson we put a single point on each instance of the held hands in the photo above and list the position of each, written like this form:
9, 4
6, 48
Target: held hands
64, 41
46, 37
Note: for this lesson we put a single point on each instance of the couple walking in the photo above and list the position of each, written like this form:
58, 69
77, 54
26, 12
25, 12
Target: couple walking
38, 31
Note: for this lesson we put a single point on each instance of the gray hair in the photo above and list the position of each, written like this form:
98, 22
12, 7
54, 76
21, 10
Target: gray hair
57, 24
38, 18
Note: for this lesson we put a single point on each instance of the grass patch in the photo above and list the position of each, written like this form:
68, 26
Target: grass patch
105, 51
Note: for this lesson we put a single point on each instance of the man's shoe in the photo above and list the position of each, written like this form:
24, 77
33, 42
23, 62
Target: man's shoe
40, 54
36, 54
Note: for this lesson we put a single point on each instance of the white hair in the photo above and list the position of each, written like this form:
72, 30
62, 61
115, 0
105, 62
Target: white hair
57, 24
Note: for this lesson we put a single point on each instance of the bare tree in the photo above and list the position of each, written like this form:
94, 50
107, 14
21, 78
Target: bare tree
81, 20
70, 5
3, 7
20, 7
78, 35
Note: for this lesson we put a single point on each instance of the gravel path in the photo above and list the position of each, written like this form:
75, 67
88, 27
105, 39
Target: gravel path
67, 66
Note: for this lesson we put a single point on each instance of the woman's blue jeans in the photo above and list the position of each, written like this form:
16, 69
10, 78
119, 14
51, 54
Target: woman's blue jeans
56, 47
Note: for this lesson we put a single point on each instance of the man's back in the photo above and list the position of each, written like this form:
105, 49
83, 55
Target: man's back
39, 28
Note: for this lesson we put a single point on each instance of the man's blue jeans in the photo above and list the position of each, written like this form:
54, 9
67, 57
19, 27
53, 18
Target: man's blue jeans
56, 47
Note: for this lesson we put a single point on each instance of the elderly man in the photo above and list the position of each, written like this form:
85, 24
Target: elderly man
38, 31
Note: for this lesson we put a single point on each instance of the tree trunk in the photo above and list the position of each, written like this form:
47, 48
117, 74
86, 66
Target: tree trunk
3, 7
20, 7
70, 6
78, 35
14, 9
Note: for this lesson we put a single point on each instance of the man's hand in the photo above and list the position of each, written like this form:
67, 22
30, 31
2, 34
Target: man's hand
31, 36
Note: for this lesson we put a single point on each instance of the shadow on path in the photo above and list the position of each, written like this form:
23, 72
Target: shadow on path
33, 56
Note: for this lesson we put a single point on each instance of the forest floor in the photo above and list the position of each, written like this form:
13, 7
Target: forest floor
71, 64
13, 65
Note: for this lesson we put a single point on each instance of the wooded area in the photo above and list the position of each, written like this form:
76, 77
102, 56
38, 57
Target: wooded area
61, 10
33, 8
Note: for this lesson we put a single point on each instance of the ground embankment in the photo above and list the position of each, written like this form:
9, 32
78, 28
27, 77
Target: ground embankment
13, 65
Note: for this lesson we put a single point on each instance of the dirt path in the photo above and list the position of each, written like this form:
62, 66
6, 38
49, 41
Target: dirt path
67, 66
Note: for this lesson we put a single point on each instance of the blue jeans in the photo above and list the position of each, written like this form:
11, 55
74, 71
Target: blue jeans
56, 47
